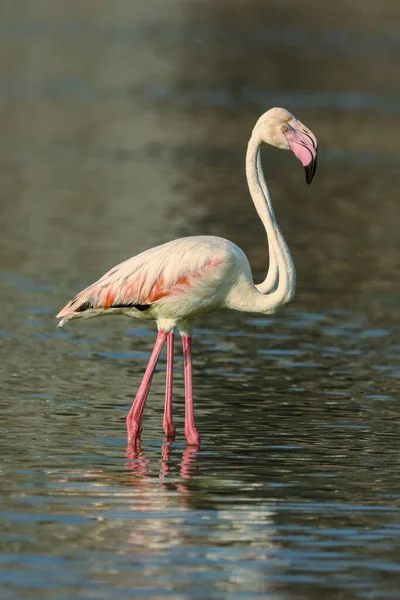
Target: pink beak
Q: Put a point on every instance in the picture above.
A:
(304, 145)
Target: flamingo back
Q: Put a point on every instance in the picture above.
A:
(195, 271)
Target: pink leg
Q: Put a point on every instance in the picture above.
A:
(191, 433)
(168, 423)
(135, 416)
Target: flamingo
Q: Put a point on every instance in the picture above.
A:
(177, 282)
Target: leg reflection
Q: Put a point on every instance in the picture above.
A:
(188, 462)
(140, 466)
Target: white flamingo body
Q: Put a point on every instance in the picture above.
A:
(178, 281)
(190, 277)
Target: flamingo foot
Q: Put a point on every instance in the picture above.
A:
(134, 431)
(192, 436)
(170, 430)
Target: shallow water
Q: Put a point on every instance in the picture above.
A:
(122, 128)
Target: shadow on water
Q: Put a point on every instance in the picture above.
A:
(122, 127)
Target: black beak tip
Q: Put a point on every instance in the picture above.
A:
(310, 170)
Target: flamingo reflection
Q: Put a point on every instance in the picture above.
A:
(141, 469)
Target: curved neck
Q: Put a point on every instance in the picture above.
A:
(280, 283)
(270, 283)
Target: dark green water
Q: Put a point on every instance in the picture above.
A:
(124, 126)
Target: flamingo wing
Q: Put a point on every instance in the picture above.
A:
(145, 279)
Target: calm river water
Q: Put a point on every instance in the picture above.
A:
(124, 125)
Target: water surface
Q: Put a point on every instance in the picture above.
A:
(124, 127)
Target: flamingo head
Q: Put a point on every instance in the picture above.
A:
(279, 128)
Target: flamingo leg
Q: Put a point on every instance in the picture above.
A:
(168, 423)
(135, 416)
(191, 432)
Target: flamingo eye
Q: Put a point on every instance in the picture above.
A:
(287, 117)
(285, 129)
